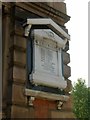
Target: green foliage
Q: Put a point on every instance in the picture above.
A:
(89, 101)
(81, 97)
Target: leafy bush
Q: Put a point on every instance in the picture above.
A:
(81, 100)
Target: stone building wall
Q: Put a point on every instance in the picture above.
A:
(15, 102)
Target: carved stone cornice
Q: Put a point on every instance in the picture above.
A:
(53, 11)
(45, 11)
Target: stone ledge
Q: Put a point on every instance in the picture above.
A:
(45, 95)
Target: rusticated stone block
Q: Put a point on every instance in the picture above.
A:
(21, 112)
(67, 71)
(19, 30)
(19, 74)
(18, 96)
(66, 58)
(19, 57)
(69, 86)
(66, 46)
(20, 41)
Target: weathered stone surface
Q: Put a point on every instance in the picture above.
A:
(69, 86)
(66, 110)
(10, 74)
(19, 73)
(66, 58)
(18, 96)
(62, 114)
(43, 107)
(21, 112)
(5, 52)
(66, 47)
(19, 57)
(58, 6)
(19, 30)
(20, 41)
(67, 71)
(67, 106)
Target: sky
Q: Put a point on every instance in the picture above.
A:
(78, 30)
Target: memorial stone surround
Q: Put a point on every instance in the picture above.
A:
(35, 66)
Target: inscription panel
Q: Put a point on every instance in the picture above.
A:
(46, 60)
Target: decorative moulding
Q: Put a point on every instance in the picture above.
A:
(48, 22)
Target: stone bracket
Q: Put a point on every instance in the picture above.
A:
(30, 100)
(59, 105)
(27, 29)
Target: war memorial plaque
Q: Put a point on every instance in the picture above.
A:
(47, 59)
